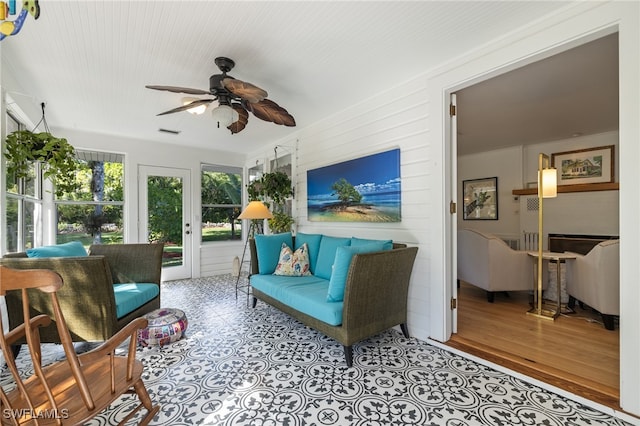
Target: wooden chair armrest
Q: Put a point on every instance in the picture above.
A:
(17, 333)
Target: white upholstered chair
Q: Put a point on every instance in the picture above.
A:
(594, 279)
(486, 261)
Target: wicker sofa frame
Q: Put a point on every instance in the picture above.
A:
(87, 297)
(375, 297)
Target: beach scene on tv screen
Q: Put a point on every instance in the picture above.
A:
(365, 189)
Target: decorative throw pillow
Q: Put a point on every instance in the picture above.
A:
(293, 263)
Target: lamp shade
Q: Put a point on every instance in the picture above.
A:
(225, 115)
(255, 210)
(549, 180)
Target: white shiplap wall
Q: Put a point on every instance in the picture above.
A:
(393, 119)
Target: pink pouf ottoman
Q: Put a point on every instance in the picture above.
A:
(166, 325)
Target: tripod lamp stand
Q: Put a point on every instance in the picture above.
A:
(255, 210)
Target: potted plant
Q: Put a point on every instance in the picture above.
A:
(56, 155)
(273, 189)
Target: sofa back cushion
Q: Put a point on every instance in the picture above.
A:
(386, 244)
(313, 244)
(327, 254)
(341, 264)
(70, 249)
(268, 250)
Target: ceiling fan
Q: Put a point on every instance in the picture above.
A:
(236, 98)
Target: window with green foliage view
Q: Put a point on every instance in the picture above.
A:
(93, 214)
(221, 203)
(23, 203)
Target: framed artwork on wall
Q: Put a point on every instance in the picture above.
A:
(480, 199)
(591, 165)
(366, 189)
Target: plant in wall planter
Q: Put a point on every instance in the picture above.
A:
(56, 155)
(280, 222)
(273, 189)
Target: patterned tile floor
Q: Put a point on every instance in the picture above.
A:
(243, 366)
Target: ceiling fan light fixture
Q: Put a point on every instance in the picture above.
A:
(224, 115)
(197, 110)
(234, 98)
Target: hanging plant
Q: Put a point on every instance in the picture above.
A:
(274, 188)
(56, 155)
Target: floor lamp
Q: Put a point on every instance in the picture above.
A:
(547, 188)
(255, 210)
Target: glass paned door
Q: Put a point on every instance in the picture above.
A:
(164, 217)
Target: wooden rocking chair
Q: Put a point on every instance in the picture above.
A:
(73, 390)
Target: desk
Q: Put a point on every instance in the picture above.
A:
(538, 308)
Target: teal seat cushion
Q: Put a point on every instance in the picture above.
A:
(344, 255)
(387, 244)
(313, 244)
(70, 249)
(306, 294)
(327, 254)
(131, 296)
(268, 250)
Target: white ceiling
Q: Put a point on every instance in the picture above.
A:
(570, 94)
(90, 60)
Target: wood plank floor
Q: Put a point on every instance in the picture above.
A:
(574, 352)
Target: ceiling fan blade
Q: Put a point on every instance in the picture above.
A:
(188, 106)
(243, 118)
(268, 110)
(176, 89)
(246, 91)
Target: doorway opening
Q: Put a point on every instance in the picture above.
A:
(501, 123)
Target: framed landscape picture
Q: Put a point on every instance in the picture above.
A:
(365, 189)
(592, 165)
(480, 199)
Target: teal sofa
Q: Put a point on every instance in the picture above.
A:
(103, 289)
(356, 288)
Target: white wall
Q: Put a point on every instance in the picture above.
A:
(570, 213)
(595, 213)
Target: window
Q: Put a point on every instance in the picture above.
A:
(221, 202)
(93, 214)
(23, 204)
(255, 172)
